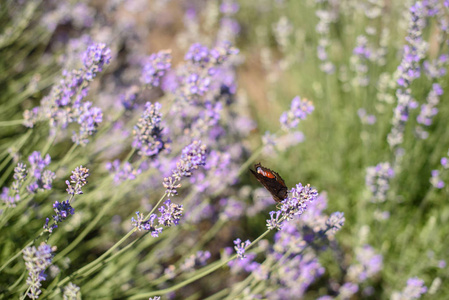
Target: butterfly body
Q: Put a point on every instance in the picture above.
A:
(272, 181)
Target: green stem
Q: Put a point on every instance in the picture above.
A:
(11, 123)
(185, 282)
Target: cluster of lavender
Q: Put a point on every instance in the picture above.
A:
(192, 157)
(359, 59)
(299, 110)
(65, 104)
(327, 14)
(36, 262)
(408, 70)
(378, 181)
(291, 264)
(36, 177)
(437, 175)
(170, 214)
(428, 110)
(365, 118)
(64, 209)
(155, 67)
(414, 290)
(148, 137)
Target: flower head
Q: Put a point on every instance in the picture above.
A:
(36, 261)
(156, 66)
(297, 200)
(193, 156)
(240, 247)
(148, 137)
(78, 178)
(148, 225)
(299, 110)
(170, 213)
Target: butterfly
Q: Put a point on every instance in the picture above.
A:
(272, 181)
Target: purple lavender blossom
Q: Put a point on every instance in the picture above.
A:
(229, 7)
(88, 118)
(240, 247)
(62, 210)
(95, 57)
(297, 200)
(365, 118)
(369, 264)
(38, 163)
(436, 180)
(170, 213)
(155, 67)
(64, 104)
(192, 157)
(274, 222)
(428, 109)
(44, 178)
(148, 132)
(11, 196)
(78, 179)
(347, 290)
(414, 290)
(335, 222)
(378, 181)
(436, 68)
(195, 260)
(232, 209)
(121, 174)
(298, 111)
(408, 70)
(36, 261)
(148, 225)
(359, 60)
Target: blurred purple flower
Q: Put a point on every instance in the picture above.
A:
(378, 181)
(335, 222)
(121, 174)
(368, 264)
(192, 157)
(148, 132)
(298, 111)
(436, 180)
(155, 67)
(95, 57)
(414, 290)
(36, 261)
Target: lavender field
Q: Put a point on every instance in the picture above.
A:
(129, 129)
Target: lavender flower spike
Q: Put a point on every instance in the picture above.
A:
(297, 200)
(148, 138)
(298, 111)
(240, 247)
(192, 157)
(156, 66)
(36, 261)
(78, 178)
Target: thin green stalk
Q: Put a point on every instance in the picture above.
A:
(81, 272)
(185, 282)
(86, 231)
(219, 295)
(11, 123)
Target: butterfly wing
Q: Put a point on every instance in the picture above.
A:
(275, 186)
